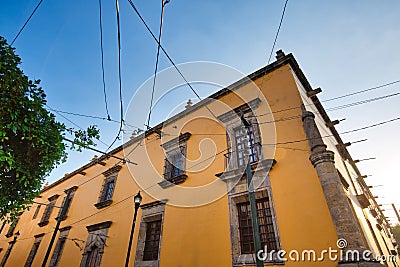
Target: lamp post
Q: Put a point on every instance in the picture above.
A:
(252, 199)
(137, 200)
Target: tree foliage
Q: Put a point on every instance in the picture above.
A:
(31, 140)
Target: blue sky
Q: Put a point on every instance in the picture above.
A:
(342, 46)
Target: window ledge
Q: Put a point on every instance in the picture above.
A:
(153, 263)
(265, 164)
(41, 224)
(103, 204)
(173, 181)
(62, 218)
(248, 259)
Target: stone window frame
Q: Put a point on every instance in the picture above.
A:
(13, 225)
(58, 249)
(232, 122)
(110, 177)
(48, 210)
(71, 197)
(173, 148)
(239, 259)
(236, 183)
(34, 250)
(2, 226)
(97, 237)
(36, 212)
(7, 254)
(153, 211)
(262, 216)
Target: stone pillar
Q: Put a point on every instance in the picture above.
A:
(339, 207)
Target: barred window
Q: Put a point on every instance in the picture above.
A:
(153, 233)
(150, 231)
(7, 254)
(49, 209)
(2, 227)
(36, 211)
(33, 251)
(266, 228)
(10, 231)
(245, 144)
(95, 244)
(70, 198)
(55, 258)
(175, 160)
(93, 256)
(174, 164)
(107, 190)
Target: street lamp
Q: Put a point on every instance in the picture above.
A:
(137, 199)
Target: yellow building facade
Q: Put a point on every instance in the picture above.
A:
(195, 209)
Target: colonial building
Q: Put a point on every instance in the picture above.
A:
(312, 203)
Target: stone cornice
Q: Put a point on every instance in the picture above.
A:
(228, 116)
(177, 141)
(154, 204)
(263, 165)
(112, 170)
(99, 226)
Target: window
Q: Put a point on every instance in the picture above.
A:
(152, 241)
(34, 249)
(55, 258)
(242, 142)
(71, 196)
(266, 227)
(245, 144)
(49, 209)
(150, 234)
(7, 254)
(92, 256)
(107, 190)
(174, 164)
(36, 211)
(175, 161)
(10, 231)
(2, 227)
(95, 244)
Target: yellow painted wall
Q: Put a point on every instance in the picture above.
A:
(195, 236)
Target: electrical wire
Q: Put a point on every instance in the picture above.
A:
(26, 22)
(361, 102)
(334, 108)
(157, 58)
(90, 116)
(361, 91)
(277, 32)
(330, 135)
(119, 78)
(73, 123)
(168, 56)
(102, 61)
